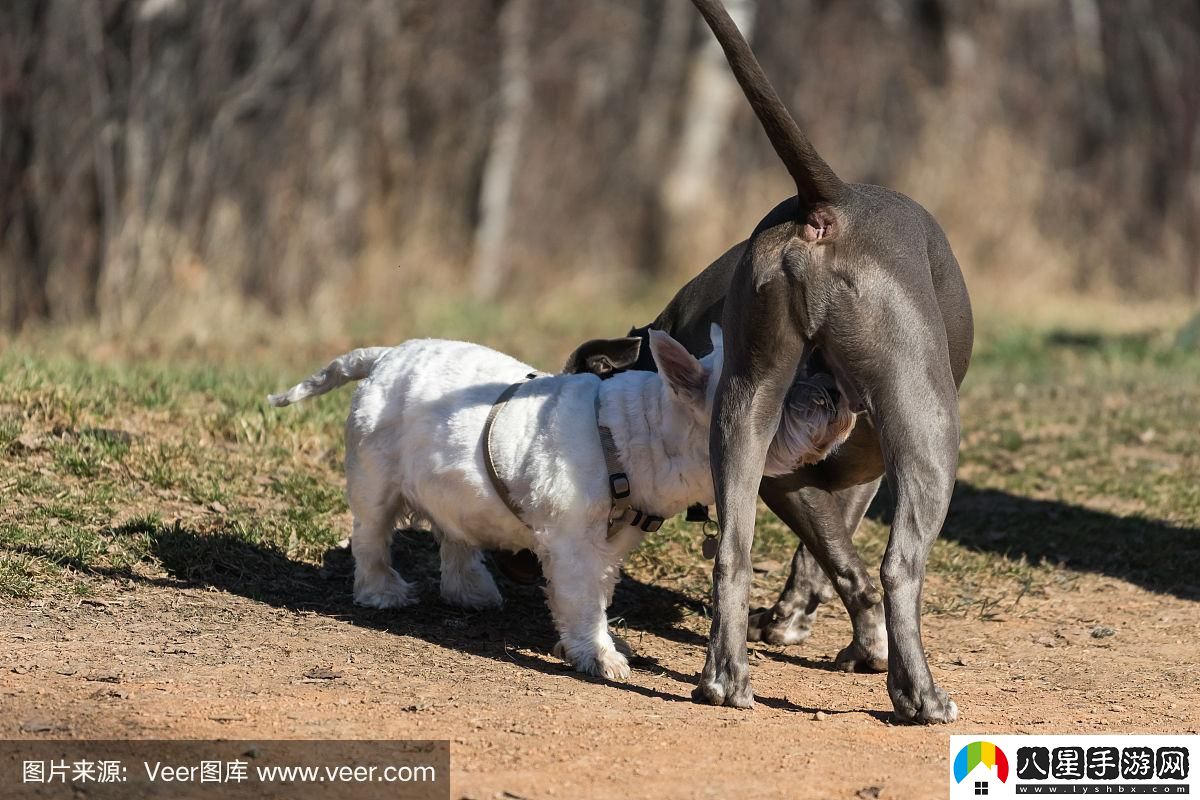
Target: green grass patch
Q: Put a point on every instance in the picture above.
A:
(1079, 455)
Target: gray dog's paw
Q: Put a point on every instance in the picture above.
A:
(855, 658)
(765, 626)
(709, 693)
(928, 708)
(731, 689)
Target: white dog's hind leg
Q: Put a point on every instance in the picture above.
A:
(376, 583)
(466, 581)
(577, 594)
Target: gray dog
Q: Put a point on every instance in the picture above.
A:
(855, 283)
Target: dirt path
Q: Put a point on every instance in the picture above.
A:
(152, 659)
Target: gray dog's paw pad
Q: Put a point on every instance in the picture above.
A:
(854, 658)
(784, 634)
(716, 692)
(709, 693)
(933, 708)
(765, 626)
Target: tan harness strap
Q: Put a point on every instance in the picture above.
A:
(622, 512)
(488, 460)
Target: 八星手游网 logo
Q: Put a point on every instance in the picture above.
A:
(976, 753)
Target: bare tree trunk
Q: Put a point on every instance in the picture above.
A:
(659, 100)
(712, 96)
(499, 172)
(1089, 43)
(22, 265)
(93, 27)
(1174, 63)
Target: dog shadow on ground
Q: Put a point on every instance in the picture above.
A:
(521, 632)
(1146, 552)
(1149, 553)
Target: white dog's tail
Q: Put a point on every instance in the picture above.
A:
(353, 366)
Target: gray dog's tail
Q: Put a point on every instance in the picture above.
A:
(354, 366)
(816, 182)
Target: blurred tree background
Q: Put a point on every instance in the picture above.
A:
(160, 157)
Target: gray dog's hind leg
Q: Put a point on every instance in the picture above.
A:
(919, 438)
(826, 522)
(790, 620)
(868, 649)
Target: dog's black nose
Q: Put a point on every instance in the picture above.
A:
(835, 397)
(823, 389)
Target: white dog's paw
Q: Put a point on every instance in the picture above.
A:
(610, 665)
(607, 664)
(385, 591)
(474, 589)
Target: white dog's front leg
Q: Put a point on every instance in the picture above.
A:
(577, 588)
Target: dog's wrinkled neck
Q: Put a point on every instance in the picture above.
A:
(663, 448)
(817, 417)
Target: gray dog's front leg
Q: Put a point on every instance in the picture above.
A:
(738, 453)
(757, 372)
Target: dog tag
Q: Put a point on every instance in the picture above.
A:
(710, 547)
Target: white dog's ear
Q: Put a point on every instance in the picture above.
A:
(716, 337)
(679, 368)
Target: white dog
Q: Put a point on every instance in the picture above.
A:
(414, 450)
